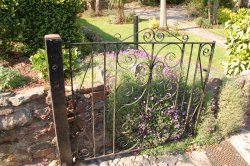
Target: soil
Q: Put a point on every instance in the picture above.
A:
(23, 65)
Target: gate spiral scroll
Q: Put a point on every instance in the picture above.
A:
(137, 98)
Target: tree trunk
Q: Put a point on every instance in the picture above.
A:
(163, 15)
(209, 10)
(119, 14)
(97, 7)
(244, 4)
(215, 9)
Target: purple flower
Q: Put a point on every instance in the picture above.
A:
(176, 116)
(184, 113)
(178, 136)
(177, 126)
(142, 127)
(141, 117)
(152, 132)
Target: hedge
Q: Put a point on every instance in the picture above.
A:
(27, 21)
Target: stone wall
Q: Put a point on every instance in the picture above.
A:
(26, 129)
(26, 125)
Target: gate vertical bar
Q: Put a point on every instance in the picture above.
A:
(136, 32)
(53, 46)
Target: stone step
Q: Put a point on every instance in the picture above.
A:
(241, 142)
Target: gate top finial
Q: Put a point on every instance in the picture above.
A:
(52, 36)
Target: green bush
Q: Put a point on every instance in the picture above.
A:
(203, 22)
(219, 122)
(39, 62)
(238, 42)
(227, 3)
(206, 24)
(231, 108)
(10, 78)
(198, 21)
(207, 130)
(196, 8)
(223, 15)
(129, 18)
(27, 21)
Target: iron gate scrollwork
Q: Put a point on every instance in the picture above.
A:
(126, 99)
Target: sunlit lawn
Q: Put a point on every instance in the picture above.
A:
(107, 31)
(220, 32)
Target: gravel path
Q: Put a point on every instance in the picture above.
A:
(178, 15)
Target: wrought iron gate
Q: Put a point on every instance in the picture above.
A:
(127, 99)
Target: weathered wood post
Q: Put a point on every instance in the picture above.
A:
(53, 44)
(136, 31)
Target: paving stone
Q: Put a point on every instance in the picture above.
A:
(199, 158)
(116, 160)
(127, 161)
(167, 159)
(241, 142)
(152, 160)
(104, 163)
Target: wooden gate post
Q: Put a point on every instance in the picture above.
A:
(136, 29)
(53, 46)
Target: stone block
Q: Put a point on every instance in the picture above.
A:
(5, 110)
(19, 118)
(26, 96)
(4, 96)
(45, 153)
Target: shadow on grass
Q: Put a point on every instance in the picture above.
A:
(105, 36)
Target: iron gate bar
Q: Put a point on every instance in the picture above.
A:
(144, 43)
(182, 44)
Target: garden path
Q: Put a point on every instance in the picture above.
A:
(178, 15)
(196, 158)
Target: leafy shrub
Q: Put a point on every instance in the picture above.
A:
(89, 13)
(223, 15)
(238, 30)
(10, 78)
(112, 19)
(203, 22)
(198, 21)
(227, 3)
(231, 108)
(206, 24)
(207, 130)
(153, 23)
(39, 62)
(129, 18)
(28, 21)
(219, 122)
(195, 8)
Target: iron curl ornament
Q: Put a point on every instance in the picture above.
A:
(155, 35)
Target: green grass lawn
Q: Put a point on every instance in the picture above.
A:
(220, 32)
(107, 31)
